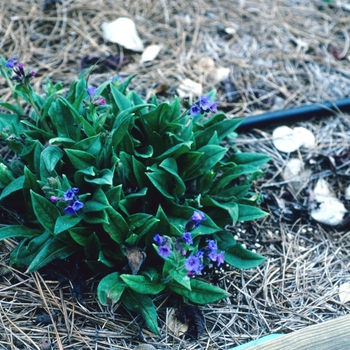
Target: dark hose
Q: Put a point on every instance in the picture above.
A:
(295, 114)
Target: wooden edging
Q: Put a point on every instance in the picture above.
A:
(329, 335)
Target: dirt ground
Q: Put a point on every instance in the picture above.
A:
(278, 54)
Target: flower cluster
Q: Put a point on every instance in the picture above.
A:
(203, 105)
(92, 92)
(18, 69)
(72, 199)
(195, 262)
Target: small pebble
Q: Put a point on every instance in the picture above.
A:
(145, 347)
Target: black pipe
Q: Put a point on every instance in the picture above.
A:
(295, 114)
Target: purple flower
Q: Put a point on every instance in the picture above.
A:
(158, 239)
(200, 254)
(69, 195)
(204, 102)
(195, 110)
(193, 264)
(220, 258)
(10, 63)
(54, 199)
(187, 238)
(77, 205)
(32, 74)
(213, 255)
(164, 251)
(194, 221)
(91, 91)
(69, 210)
(101, 102)
(213, 107)
(212, 245)
(20, 66)
(72, 209)
(197, 218)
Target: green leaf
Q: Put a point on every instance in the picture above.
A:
(98, 202)
(92, 246)
(231, 208)
(11, 107)
(141, 304)
(222, 129)
(170, 165)
(80, 235)
(248, 212)
(14, 186)
(52, 249)
(18, 231)
(110, 289)
(122, 101)
(66, 222)
(211, 154)
(80, 159)
(142, 284)
(252, 159)
(241, 258)
(45, 211)
(233, 173)
(117, 227)
(200, 293)
(161, 180)
(51, 156)
(180, 276)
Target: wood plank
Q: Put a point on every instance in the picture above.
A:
(329, 335)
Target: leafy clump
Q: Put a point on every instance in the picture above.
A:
(141, 190)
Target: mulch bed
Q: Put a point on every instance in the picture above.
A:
(280, 54)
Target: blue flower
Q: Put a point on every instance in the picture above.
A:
(69, 195)
(213, 255)
(187, 238)
(212, 245)
(200, 254)
(91, 91)
(164, 251)
(213, 107)
(195, 110)
(220, 258)
(10, 63)
(194, 221)
(158, 239)
(193, 264)
(69, 210)
(204, 102)
(77, 205)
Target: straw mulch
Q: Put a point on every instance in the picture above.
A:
(280, 54)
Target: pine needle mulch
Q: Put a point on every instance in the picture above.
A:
(280, 54)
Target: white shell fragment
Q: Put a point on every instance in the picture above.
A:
(322, 188)
(190, 88)
(150, 53)
(347, 193)
(329, 210)
(219, 74)
(287, 140)
(326, 208)
(123, 31)
(295, 172)
(344, 292)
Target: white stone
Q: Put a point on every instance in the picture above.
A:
(123, 31)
